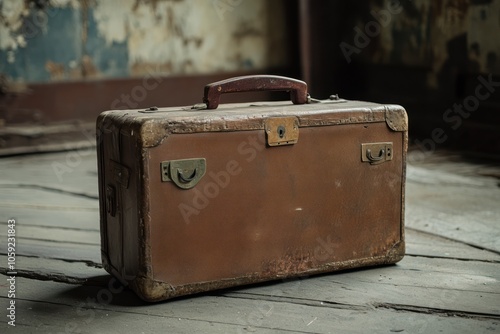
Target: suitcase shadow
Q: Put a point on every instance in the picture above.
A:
(99, 291)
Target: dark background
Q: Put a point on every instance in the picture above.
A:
(425, 55)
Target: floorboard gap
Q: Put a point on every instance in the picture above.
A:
(50, 189)
(451, 258)
(438, 312)
(58, 241)
(58, 278)
(455, 240)
(298, 301)
(95, 306)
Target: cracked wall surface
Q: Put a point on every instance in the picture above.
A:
(439, 36)
(73, 39)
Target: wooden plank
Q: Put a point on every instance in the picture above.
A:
(51, 137)
(50, 317)
(50, 305)
(422, 283)
(69, 271)
(54, 188)
(41, 199)
(428, 245)
(47, 217)
(463, 208)
(56, 250)
(38, 130)
(435, 273)
(27, 145)
(457, 163)
(72, 171)
(69, 235)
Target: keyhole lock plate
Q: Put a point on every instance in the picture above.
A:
(282, 131)
(376, 153)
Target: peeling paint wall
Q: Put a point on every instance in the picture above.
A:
(437, 35)
(80, 39)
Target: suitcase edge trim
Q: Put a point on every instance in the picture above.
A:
(151, 290)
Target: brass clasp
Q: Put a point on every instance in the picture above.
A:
(376, 153)
(184, 173)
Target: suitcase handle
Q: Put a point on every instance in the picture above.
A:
(252, 83)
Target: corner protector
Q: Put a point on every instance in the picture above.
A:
(152, 133)
(396, 118)
(151, 290)
(102, 122)
(396, 253)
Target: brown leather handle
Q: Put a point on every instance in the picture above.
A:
(252, 83)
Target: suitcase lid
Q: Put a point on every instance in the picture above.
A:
(301, 111)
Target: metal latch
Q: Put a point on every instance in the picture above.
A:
(111, 203)
(184, 173)
(376, 153)
(282, 130)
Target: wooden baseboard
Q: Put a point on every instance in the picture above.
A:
(85, 100)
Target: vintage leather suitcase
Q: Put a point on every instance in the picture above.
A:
(207, 197)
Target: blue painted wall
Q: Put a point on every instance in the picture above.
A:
(80, 40)
(55, 35)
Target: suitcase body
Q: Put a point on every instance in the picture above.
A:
(198, 199)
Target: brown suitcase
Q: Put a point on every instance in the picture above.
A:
(200, 198)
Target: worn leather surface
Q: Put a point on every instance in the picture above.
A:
(259, 212)
(283, 210)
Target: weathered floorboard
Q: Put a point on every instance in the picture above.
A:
(449, 281)
(405, 284)
(41, 199)
(462, 208)
(441, 284)
(56, 250)
(51, 304)
(428, 245)
(49, 217)
(76, 236)
(72, 171)
(46, 269)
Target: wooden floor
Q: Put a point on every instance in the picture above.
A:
(447, 283)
